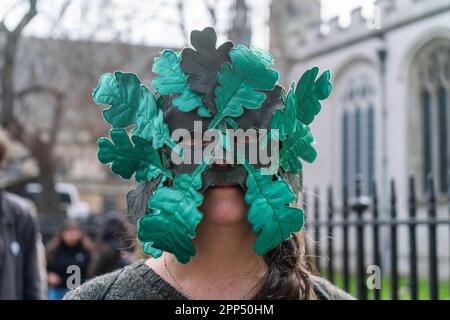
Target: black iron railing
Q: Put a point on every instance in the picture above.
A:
(381, 226)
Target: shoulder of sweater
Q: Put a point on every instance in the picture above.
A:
(134, 282)
(329, 291)
(91, 289)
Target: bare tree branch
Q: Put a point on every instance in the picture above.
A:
(32, 11)
(182, 21)
(57, 113)
(61, 14)
(212, 7)
(38, 88)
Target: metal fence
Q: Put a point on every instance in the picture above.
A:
(389, 224)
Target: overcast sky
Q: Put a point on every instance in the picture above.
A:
(145, 28)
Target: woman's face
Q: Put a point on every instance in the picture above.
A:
(71, 236)
(224, 205)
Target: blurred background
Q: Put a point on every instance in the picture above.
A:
(378, 194)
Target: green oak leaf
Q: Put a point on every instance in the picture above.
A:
(130, 157)
(171, 224)
(171, 79)
(285, 120)
(309, 92)
(297, 146)
(148, 249)
(240, 82)
(269, 212)
(132, 104)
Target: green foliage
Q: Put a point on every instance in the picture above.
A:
(128, 157)
(132, 104)
(309, 92)
(203, 63)
(269, 214)
(148, 249)
(174, 216)
(301, 106)
(297, 146)
(241, 81)
(171, 79)
(285, 120)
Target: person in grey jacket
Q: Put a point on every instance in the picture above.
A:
(20, 243)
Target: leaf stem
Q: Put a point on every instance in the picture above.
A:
(215, 121)
(170, 143)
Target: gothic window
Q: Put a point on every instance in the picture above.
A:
(433, 85)
(358, 133)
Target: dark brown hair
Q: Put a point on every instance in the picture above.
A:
(4, 147)
(57, 242)
(288, 272)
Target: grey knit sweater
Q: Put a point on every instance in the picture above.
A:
(140, 282)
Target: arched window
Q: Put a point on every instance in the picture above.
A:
(432, 83)
(358, 132)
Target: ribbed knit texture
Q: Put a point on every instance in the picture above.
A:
(140, 282)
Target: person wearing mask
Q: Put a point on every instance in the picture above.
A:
(215, 228)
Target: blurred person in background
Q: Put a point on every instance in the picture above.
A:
(21, 250)
(71, 246)
(116, 245)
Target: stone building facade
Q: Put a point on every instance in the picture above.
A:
(389, 114)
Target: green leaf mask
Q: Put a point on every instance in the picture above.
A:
(230, 87)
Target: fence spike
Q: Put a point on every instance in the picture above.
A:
(394, 255)
(413, 284)
(330, 234)
(432, 238)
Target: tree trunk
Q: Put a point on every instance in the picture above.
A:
(49, 202)
(7, 82)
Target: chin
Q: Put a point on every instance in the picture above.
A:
(224, 205)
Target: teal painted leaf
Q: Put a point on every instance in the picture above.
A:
(132, 104)
(297, 146)
(174, 216)
(171, 79)
(240, 82)
(130, 157)
(122, 91)
(269, 212)
(148, 249)
(285, 120)
(309, 92)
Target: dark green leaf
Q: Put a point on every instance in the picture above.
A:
(309, 92)
(240, 82)
(132, 104)
(170, 79)
(148, 249)
(174, 216)
(203, 64)
(269, 214)
(285, 120)
(297, 146)
(137, 198)
(129, 157)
